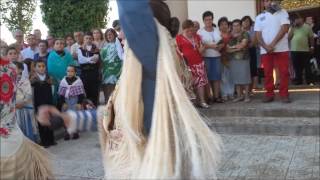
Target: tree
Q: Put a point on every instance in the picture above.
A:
(17, 14)
(66, 16)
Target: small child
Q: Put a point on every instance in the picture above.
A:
(24, 107)
(71, 93)
(42, 94)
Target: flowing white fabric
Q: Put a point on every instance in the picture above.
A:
(180, 144)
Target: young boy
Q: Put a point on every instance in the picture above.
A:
(89, 59)
(71, 94)
(42, 94)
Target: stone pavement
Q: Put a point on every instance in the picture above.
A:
(244, 157)
(261, 141)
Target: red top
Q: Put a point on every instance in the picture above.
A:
(225, 39)
(190, 49)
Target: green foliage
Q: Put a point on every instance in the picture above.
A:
(66, 16)
(17, 14)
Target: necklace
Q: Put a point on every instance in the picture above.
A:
(191, 40)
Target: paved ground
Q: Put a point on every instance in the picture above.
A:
(244, 157)
(254, 152)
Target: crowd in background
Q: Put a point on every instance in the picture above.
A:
(223, 62)
(66, 72)
(227, 60)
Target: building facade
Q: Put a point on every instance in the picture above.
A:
(233, 9)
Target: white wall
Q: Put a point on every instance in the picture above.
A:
(232, 9)
(178, 8)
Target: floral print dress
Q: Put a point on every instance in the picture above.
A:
(111, 64)
(11, 137)
(20, 158)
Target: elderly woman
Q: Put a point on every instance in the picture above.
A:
(211, 37)
(240, 61)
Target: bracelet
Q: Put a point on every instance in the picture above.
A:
(56, 122)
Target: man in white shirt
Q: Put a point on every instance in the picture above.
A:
(31, 50)
(37, 34)
(271, 29)
(78, 37)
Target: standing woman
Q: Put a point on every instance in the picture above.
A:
(190, 46)
(89, 59)
(247, 26)
(210, 37)
(227, 86)
(98, 38)
(58, 61)
(111, 63)
(240, 61)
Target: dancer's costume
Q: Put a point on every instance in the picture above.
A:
(20, 157)
(149, 128)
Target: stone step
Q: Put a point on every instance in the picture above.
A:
(260, 112)
(281, 126)
(304, 104)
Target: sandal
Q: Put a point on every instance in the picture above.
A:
(204, 105)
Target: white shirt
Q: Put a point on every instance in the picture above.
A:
(119, 49)
(42, 77)
(270, 25)
(74, 48)
(25, 72)
(83, 59)
(212, 37)
(28, 53)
